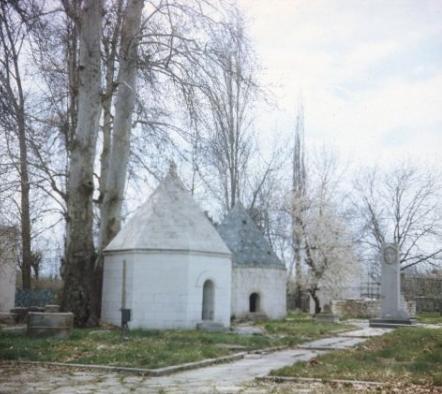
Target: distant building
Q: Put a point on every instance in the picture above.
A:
(8, 267)
(259, 278)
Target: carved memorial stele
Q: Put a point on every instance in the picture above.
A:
(392, 309)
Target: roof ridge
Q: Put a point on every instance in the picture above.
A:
(170, 219)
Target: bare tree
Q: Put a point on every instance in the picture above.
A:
(401, 206)
(230, 90)
(14, 117)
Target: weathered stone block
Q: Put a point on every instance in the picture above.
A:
(52, 308)
(20, 314)
(7, 318)
(44, 324)
(36, 309)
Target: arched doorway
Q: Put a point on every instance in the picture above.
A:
(254, 303)
(208, 300)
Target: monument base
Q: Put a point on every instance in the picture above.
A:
(392, 323)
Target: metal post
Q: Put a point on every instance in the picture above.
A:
(125, 312)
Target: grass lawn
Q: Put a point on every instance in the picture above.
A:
(300, 327)
(429, 318)
(156, 349)
(411, 355)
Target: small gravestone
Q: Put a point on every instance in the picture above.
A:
(45, 324)
(393, 312)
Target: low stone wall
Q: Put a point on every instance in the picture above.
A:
(364, 308)
(429, 304)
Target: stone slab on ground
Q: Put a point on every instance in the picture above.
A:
(395, 323)
(334, 343)
(248, 330)
(211, 326)
(366, 332)
(221, 378)
(140, 371)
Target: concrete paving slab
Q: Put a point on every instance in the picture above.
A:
(366, 332)
(220, 378)
(334, 343)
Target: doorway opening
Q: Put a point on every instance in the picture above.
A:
(208, 312)
(254, 303)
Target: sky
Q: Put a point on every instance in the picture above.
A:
(369, 74)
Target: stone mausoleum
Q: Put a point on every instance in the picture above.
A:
(259, 278)
(172, 269)
(168, 264)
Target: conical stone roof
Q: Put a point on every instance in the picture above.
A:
(169, 220)
(246, 241)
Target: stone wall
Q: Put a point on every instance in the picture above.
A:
(269, 283)
(426, 291)
(429, 304)
(364, 308)
(164, 289)
(8, 267)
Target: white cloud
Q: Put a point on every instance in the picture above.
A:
(352, 61)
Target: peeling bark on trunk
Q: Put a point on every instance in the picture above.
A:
(124, 107)
(80, 287)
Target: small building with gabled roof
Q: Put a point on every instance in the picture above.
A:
(168, 264)
(259, 278)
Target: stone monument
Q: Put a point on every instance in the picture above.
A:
(393, 311)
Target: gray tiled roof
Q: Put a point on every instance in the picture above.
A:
(169, 220)
(245, 240)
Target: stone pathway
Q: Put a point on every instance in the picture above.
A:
(223, 378)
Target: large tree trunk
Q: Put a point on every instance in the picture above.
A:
(80, 290)
(124, 107)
